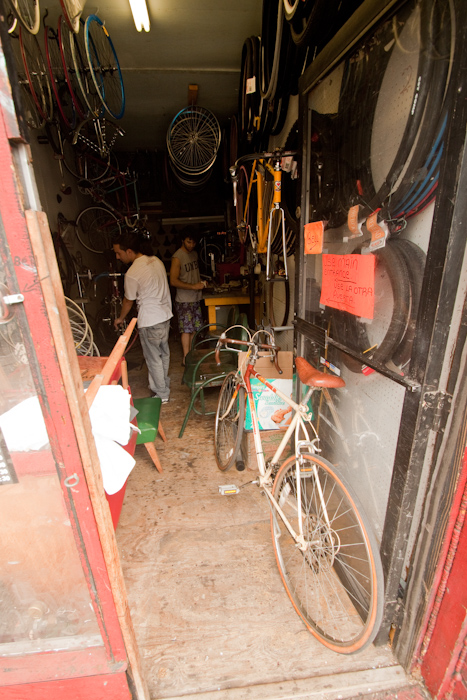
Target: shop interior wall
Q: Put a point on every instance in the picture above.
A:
(361, 428)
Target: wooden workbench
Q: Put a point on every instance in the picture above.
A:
(228, 298)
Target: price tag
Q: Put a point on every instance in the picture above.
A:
(251, 85)
(354, 226)
(314, 234)
(379, 232)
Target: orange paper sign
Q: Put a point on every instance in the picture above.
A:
(349, 283)
(314, 233)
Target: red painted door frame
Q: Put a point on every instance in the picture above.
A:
(443, 650)
(93, 672)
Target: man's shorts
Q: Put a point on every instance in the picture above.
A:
(190, 317)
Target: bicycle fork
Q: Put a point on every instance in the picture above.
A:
(276, 208)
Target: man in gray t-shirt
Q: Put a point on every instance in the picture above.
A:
(185, 277)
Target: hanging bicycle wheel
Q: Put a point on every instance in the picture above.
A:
(28, 12)
(104, 66)
(58, 80)
(97, 228)
(65, 38)
(336, 583)
(193, 140)
(72, 10)
(230, 417)
(30, 112)
(290, 8)
(36, 73)
(83, 162)
(87, 87)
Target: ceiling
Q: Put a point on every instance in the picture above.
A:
(190, 42)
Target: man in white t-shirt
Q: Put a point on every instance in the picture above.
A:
(146, 283)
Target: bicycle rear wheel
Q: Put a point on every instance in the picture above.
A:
(97, 228)
(104, 66)
(58, 81)
(65, 39)
(230, 418)
(336, 586)
(86, 84)
(36, 73)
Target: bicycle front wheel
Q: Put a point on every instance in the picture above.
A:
(104, 66)
(336, 585)
(97, 228)
(230, 418)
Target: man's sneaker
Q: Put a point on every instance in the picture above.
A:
(165, 400)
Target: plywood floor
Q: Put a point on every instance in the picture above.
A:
(207, 602)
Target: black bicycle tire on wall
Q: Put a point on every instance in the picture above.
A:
(348, 330)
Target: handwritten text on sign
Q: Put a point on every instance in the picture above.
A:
(349, 283)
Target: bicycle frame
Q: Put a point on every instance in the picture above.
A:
(300, 415)
(265, 227)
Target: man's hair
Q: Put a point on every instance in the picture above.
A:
(135, 241)
(193, 235)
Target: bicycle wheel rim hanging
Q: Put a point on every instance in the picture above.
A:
(64, 41)
(104, 66)
(193, 140)
(28, 13)
(37, 74)
(58, 80)
(337, 585)
(96, 229)
(87, 87)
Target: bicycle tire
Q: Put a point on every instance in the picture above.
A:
(242, 193)
(65, 264)
(284, 284)
(96, 228)
(84, 163)
(58, 80)
(415, 260)
(105, 333)
(351, 332)
(31, 115)
(87, 87)
(28, 12)
(65, 38)
(37, 74)
(337, 585)
(72, 10)
(290, 8)
(104, 66)
(229, 424)
(249, 102)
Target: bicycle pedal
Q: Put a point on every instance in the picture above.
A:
(228, 490)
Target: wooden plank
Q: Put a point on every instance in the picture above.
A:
(335, 687)
(54, 300)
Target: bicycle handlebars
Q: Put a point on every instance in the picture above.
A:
(277, 154)
(223, 340)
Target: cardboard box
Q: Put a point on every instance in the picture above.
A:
(272, 411)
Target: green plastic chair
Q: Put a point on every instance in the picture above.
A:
(148, 419)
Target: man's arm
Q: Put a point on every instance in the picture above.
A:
(175, 280)
(126, 307)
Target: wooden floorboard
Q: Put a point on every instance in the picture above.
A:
(207, 602)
